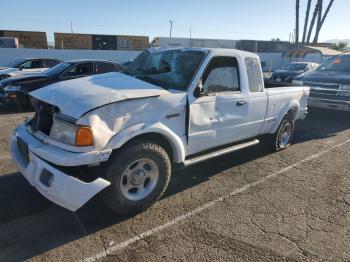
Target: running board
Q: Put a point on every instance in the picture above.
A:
(226, 150)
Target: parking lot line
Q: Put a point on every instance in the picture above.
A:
(114, 248)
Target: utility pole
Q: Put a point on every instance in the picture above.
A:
(71, 26)
(171, 27)
(190, 32)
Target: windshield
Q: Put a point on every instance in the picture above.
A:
(338, 63)
(16, 63)
(57, 69)
(296, 67)
(173, 69)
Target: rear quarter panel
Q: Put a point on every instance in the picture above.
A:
(280, 101)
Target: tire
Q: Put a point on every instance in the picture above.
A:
(283, 136)
(136, 166)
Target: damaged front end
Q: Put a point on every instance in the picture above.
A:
(63, 176)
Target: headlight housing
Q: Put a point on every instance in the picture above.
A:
(297, 82)
(12, 88)
(346, 91)
(71, 134)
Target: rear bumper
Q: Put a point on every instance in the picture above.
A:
(329, 104)
(55, 185)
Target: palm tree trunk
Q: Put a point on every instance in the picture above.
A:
(322, 20)
(297, 2)
(306, 20)
(314, 15)
(319, 19)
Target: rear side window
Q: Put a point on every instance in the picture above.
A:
(50, 63)
(255, 78)
(221, 75)
(102, 68)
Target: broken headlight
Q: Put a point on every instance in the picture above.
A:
(69, 133)
(63, 131)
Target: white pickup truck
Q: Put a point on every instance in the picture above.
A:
(123, 132)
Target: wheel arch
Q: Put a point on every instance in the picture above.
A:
(156, 132)
(291, 109)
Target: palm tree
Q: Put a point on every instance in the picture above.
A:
(319, 26)
(306, 20)
(319, 19)
(314, 15)
(297, 2)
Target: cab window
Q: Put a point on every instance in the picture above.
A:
(221, 75)
(254, 73)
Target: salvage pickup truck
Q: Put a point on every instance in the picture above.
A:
(121, 133)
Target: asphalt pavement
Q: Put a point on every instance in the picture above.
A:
(251, 205)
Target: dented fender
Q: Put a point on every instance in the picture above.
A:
(131, 132)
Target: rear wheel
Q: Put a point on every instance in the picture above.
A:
(139, 175)
(283, 136)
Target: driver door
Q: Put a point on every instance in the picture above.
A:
(218, 116)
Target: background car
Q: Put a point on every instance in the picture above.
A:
(27, 66)
(126, 63)
(330, 84)
(287, 74)
(16, 89)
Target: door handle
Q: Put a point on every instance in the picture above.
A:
(241, 103)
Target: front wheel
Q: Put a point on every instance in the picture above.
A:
(139, 175)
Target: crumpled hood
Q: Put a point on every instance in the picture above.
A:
(76, 97)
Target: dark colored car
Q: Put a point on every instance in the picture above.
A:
(16, 89)
(286, 75)
(330, 84)
(27, 66)
(127, 63)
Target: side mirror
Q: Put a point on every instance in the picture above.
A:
(21, 68)
(199, 89)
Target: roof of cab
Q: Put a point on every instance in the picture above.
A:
(214, 51)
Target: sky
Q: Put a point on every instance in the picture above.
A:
(223, 19)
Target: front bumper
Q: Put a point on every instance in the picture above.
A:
(329, 104)
(59, 187)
